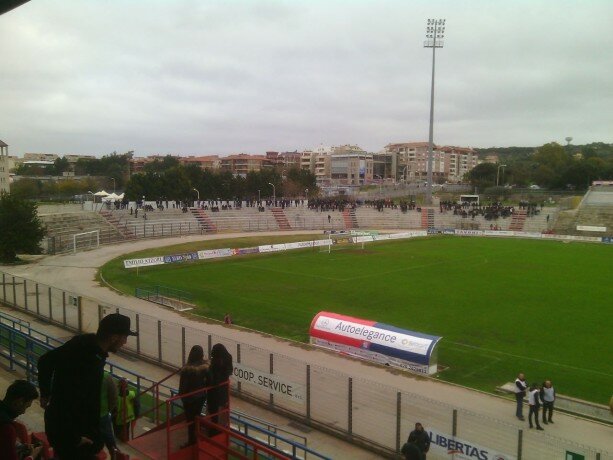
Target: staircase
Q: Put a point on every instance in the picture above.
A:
(215, 438)
(204, 220)
(427, 218)
(518, 220)
(281, 219)
(113, 220)
(350, 219)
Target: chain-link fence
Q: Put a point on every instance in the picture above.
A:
(376, 414)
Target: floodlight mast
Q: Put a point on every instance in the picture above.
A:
(435, 32)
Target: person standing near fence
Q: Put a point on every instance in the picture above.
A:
(534, 400)
(520, 393)
(548, 396)
(194, 376)
(421, 438)
(70, 380)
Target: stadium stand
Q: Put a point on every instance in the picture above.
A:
(62, 227)
(595, 210)
(117, 225)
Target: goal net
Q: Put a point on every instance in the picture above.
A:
(338, 242)
(86, 240)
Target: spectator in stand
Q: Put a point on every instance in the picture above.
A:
(18, 398)
(194, 376)
(520, 392)
(220, 371)
(128, 410)
(548, 396)
(70, 379)
(535, 403)
(421, 438)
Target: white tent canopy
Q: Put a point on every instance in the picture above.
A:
(101, 193)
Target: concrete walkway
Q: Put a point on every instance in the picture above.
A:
(76, 273)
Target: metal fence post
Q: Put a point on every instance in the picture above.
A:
(183, 345)
(80, 313)
(350, 408)
(14, 293)
(64, 308)
(37, 301)
(398, 419)
(454, 423)
(50, 305)
(138, 332)
(210, 344)
(3, 287)
(12, 349)
(160, 340)
(272, 369)
(520, 442)
(238, 360)
(25, 294)
(308, 392)
(100, 308)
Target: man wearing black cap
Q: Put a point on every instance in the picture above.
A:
(70, 381)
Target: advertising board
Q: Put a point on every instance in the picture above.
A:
(375, 341)
(144, 262)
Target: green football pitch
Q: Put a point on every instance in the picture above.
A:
(501, 305)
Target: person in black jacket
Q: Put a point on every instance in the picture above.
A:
(70, 381)
(220, 370)
(194, 376)
(420, 437)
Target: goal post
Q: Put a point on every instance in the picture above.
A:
(86, 240)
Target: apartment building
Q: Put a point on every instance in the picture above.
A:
(204, 162)
(458, 161)
(449, 163)
(242, 163)
(351, 168)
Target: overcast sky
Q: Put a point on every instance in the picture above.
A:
(200, 77)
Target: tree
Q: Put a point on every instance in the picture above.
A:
(483, 175)
(20, 228)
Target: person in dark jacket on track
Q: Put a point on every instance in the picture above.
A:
(70, 379)
(421, 438)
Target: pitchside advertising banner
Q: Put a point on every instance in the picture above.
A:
(374, 341)
(145, 262)
(270, 383)
(456, 448)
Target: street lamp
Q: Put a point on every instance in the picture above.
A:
(113, 179)
(306, 194)
(274, 194)
(435, 31)
(259, 199)
(195, 190)
(498, 173)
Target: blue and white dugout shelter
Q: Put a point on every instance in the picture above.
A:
(376, 342)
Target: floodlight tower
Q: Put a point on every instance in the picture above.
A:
(435, 32)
